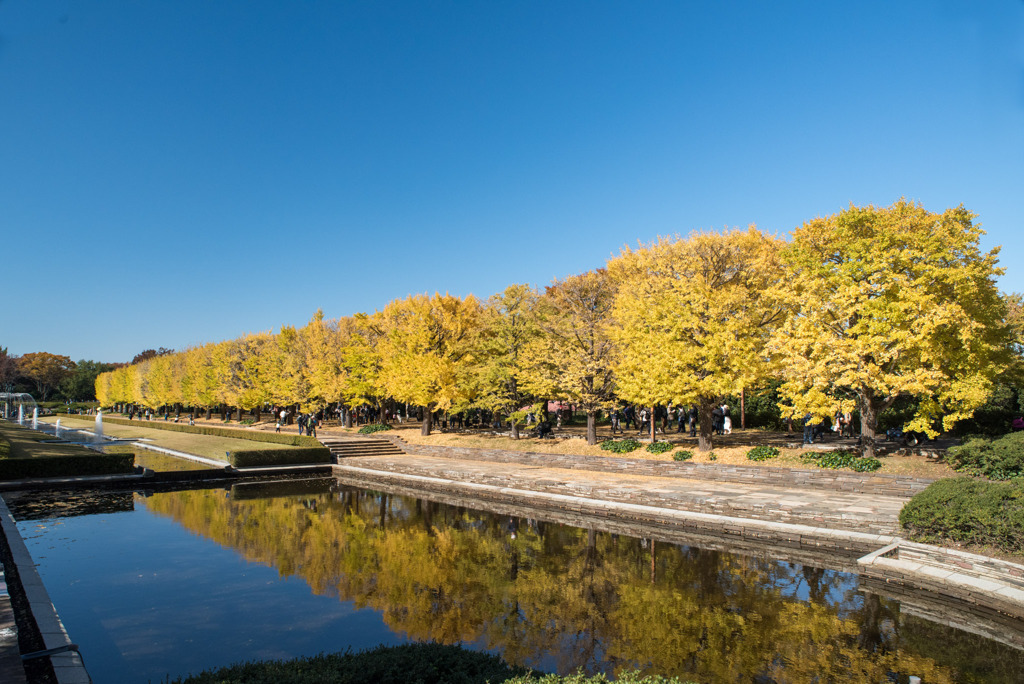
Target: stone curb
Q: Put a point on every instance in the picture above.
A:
(67, 664)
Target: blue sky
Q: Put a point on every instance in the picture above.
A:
(177, 172)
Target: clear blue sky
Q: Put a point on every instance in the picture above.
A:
(177, 172)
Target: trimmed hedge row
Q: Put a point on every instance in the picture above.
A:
(252, 435)
(970, 511)
(66, 466)
(273, 457)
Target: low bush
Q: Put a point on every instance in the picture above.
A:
(374, 427)
(622, 446)
(712, 456)
(273, 457)
(762, 453)
(996, 459)
(660, 447)
(841, 459)
(5, 447)
(682, 455)
(423, 663)
(251, 435)
(970, 511)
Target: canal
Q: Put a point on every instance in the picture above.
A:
(158, 585)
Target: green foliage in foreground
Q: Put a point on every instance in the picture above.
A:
(630, 677)
(762, 453)
(997, 459)
(622, 446)
(840, 459)
(374, 427)
(405, 664)
(275, 457)
(682, 455)
(660, 447)
(969, 511)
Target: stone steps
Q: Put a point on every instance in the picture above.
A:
(345, 448)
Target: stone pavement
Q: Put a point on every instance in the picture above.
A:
(865, 511)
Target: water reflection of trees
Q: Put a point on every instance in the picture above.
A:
(599, 601)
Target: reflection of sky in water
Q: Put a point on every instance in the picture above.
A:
(145, 600)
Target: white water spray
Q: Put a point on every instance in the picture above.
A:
(99, 426)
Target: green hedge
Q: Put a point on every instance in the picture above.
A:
(997, 459)
(970, 511)
(660, 447)
(405, 664)
(5, 448)
(274, 457)
(252, 435)
(66, 466)
(682, 455)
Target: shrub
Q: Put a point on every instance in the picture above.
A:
(840, 459)
(712, 456)
(660, 447)
(374, 427)
(273, 457)
(424, 663)
(623, 446)
(997, 459)
(762, 453)
(682, 455)
(967, 510)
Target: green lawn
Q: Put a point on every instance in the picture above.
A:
(207, 446)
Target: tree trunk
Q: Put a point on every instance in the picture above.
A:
(348, 417)
(868, 422)
(743, 409)
(428, 417)
(705, 437)
(515, 429)
(591, 427)
(654, 427)
(240, 413)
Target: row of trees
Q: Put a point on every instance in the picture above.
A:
(855, 311)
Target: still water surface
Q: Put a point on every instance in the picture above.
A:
(175, 583)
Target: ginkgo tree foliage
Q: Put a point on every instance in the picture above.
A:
(426, 347)
(692, 318)
(572, 357)
(890, 302)
(509, 327)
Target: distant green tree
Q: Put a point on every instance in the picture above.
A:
(80, 383)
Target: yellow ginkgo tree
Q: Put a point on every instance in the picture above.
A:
(571, 359)
(692, 318)
(890, 302)
(426, 346)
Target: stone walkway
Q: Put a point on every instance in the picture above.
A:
(868, 512)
